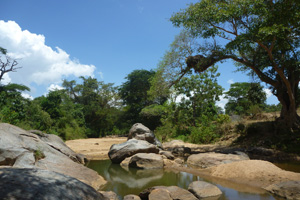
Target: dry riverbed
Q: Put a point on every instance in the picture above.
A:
(94, 148)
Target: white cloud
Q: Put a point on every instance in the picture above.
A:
(268, 92)
(222, 102)
(6, 79)
(54, 87)
(27, 96)
(230, 81)
(40, 63)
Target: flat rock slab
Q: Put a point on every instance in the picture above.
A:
(287, 190)
(146, 161)
(27, 184)
(256, 173)
(202, 189)
(205, 160)
(118, 152)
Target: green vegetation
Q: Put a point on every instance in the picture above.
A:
(178, 99)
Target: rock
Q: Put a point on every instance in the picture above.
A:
(131, 197)
(168, 154)
(109, 195)
(205, 160)
(181, 151)
(161, 194)
(118, 152)
(177, 163)
(27, 184)
(140, 132)
(125, 163)
(287, 190)
(20, 148)
(256, 173)
(175, 193)
(146, 161)
(202, 189)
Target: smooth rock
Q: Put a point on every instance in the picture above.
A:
(109, 195)
(161, 194)
(175, 193)
(205, 160)
(140, 132)
(146, 161)
(118, 152)
(27, 184)
(131, 197)
(168, 154)
(202, 189)
(288, 190)
(22, 149)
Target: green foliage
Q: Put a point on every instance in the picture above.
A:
(245, 98)
(38, 155)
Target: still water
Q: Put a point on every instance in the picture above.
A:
(133, 181)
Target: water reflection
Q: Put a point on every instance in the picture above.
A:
(133, 181)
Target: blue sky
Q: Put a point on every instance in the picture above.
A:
(107, 39)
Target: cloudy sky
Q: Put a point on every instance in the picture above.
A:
(107, 39)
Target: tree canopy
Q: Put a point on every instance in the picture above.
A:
(261, 36)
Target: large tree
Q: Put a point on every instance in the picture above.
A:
(261, 36)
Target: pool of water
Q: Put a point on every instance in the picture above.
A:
(133, 181)
(291, 166)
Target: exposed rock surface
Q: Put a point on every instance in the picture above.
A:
(205, 160)
(109, 195)
(131, 197)
(161, 194)
(118, 152)
(202, 189)
(20, 148)
(175, 193)
(288, 190)
(140, 132)
(27, 184)
(252, 172)
(167, 154)
(146, 161)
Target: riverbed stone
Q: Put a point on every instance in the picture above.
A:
(27, 184)
(140, 132)
(205, 160)
(202, 189)
(167, 154)
(287, 190)
(118, 152)
(175, 193)
(131, 197)
(23, 149)
(146, 161)
(161, 194)
(109, 195)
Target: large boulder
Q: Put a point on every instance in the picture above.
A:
(287, 190)
(140, 132)
(22, 149)
(161, 194)
(174, 191)
(26, 184)
(256, 173)
(202, 189)
(146, 161)
(118, 152)
(205, 160)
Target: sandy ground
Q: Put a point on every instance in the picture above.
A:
(94, 148)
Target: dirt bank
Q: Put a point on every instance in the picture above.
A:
(94, 148)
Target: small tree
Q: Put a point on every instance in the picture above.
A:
(6, 64)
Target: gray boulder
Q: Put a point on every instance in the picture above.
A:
(118, 152)
(175, 193)
(140, 132)
(146, 161)
(131, 197)
(20, 148)
(27, 184)
(287, 190)
(205, 160)
(202, 189)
